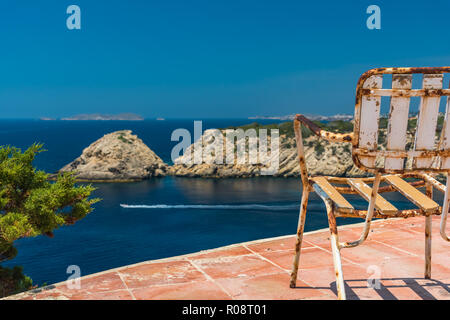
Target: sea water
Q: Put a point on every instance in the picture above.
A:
(156, 218)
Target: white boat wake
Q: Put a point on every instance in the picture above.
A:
(215, 206)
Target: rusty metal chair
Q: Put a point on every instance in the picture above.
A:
(388, 165)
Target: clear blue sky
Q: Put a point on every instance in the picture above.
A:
(212, 58)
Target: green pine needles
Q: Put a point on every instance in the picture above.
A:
(31, 205)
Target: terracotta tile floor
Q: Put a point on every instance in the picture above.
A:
(260, 270)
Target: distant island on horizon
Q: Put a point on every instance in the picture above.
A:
(343, 117)
(136, 117)
(99, 116)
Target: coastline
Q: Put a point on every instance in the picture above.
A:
(113, 158)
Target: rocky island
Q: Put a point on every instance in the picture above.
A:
(117, 156)
(99, 116)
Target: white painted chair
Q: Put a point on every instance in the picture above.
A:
(430, 155)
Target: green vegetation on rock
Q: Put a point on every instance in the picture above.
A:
(123, 139)
(287, 128)
(337, 126)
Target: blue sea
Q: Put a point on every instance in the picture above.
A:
(156, 218)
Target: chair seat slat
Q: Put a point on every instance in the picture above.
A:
(332, 193)
(365, 191)
(414, 195)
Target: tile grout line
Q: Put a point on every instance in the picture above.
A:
(411, 230)
(209, 278)
(329, 251)
(264, 258)
(251, 253)
(126, 287)
(395, 248)
(285, 270)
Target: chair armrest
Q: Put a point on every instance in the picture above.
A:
(327, 135)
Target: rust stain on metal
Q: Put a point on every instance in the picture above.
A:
(330, 136)
(428, 224)
(299, 236)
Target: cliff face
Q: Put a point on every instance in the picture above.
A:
(117, 156)
(325, 158)
(322, 158)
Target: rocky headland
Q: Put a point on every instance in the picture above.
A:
(117, 156)
(322, 157)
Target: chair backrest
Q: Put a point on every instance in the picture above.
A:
(428, 153)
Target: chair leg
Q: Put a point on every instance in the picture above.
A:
(298, 242)
(428, 222)
(336, 253)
